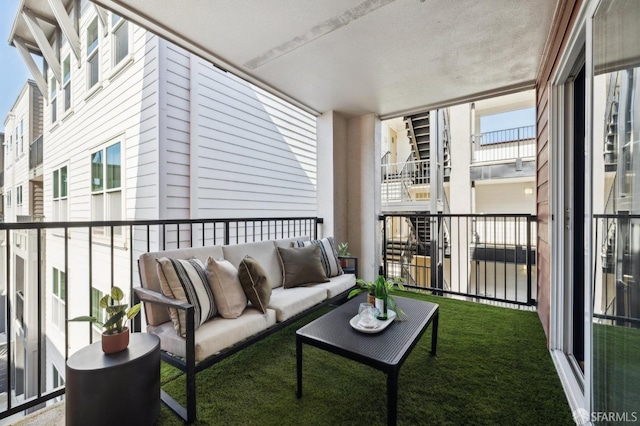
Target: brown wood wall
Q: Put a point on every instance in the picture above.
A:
(563, 22)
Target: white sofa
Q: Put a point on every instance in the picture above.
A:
(219, 337)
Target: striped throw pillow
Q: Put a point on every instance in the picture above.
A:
(328, 255)
(186, 281)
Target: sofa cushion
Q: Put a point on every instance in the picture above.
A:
(328, 255)
(255, 283)
(225, 285)
(216, 334)
(337, 285)
(290, 242)
(157, 314)
(263, 251)
(185, 280)
(301, 266)
(288, 302)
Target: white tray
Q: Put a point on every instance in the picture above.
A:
(379, 325)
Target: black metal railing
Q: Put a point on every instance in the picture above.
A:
(71, 259)
(616, 286)
(508, 144)
(482, 256)
(35, 153)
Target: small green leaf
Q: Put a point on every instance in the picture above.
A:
(117, 294)
(84, 318)
(104, 302)
(134, 310)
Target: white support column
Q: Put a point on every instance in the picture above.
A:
(33, 68)
(66, 24)
(460, 200)
(363, 186)
(43, 44)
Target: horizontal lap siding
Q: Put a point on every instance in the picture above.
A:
(563, 22)
(176, 123)
(256, 153)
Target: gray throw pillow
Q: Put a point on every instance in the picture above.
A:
(255, 283)
(301, 266)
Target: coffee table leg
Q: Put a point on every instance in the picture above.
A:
(434, 333)
(299, 365)
(392, 397)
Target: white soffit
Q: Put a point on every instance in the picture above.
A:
(388, 57)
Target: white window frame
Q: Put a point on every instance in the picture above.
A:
(8, 201)
(118, 66)
(21, 136)
(66, 84)
(53, 100)
(60, 201)
(104, 192)
(19, 196)
(91, 54)
(58, 302)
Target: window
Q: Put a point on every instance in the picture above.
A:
(17, 139)
(60, 194)
(96, 311)
(21, 136)
(93, 56)
(19, 196)
(56, 380)
(8, 198)
(66, 82)
(119, 39)
(106, 193)
(53, 100)
(58, 297)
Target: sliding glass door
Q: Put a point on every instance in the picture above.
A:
(615, 172)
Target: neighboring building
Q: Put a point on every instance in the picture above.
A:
(137, 128)
(22, 175)
(484, 163)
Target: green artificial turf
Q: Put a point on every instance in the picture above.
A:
(492, 368)
(616, 372)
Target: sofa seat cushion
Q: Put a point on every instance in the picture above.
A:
(216, 334)
(287, 302)
(337, 284)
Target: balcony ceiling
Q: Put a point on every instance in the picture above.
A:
(389, 57)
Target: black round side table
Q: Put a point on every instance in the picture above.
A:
(117, 389)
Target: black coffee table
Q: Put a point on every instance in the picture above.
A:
(385, 351)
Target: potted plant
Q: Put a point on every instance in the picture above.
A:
(343, 250)
(115, 337)
(370, 288)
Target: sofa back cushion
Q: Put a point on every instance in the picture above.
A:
(157, 314)
(264, 252)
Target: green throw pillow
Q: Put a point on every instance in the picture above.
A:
(255, 283)
(301, 266)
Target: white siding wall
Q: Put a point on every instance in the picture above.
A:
(124, 107)
(256, 154)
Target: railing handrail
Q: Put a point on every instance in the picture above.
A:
(159, 234)
(142, 222)
(511, 130)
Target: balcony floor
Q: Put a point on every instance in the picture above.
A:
(492, 368)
